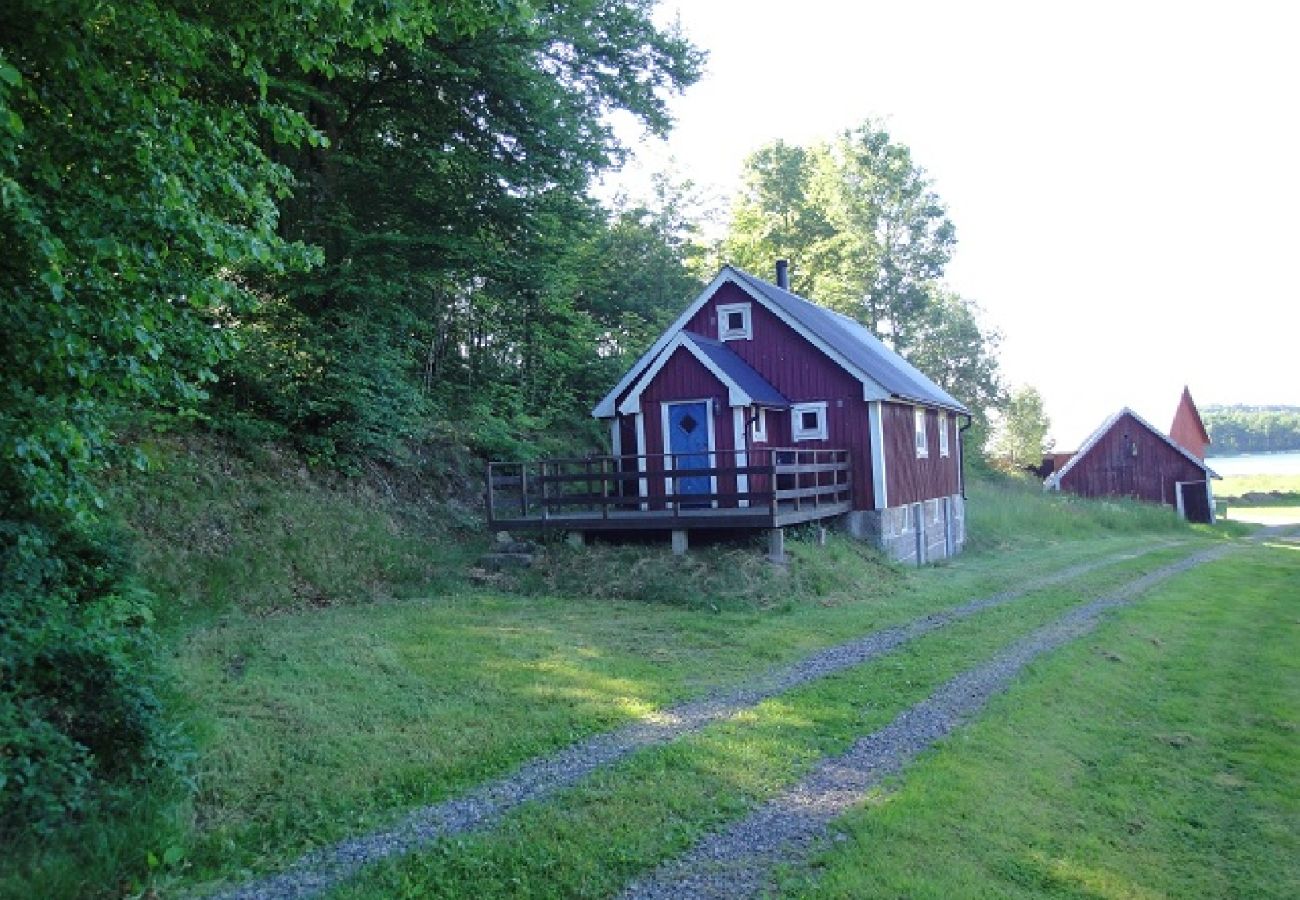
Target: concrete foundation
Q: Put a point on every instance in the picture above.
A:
(680, 542)
(915, 534)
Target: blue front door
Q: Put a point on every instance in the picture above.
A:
(688, 442)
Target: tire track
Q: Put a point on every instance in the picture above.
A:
(544, 776)
(738, 861)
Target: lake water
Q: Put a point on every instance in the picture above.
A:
(1256, 464)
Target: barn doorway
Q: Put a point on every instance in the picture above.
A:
(688, 429)
(1194, 501)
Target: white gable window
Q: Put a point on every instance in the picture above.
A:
(808, 421)
(735, 322)
(760, 424)
(943, 433)
(922, 448)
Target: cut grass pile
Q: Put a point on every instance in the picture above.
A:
(1156, 758)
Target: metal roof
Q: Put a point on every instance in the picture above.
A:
(739, 371)
(858, 345)
(883, 373)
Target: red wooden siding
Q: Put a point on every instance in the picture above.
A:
(803, 373)
(1131, 461)
(910, 479)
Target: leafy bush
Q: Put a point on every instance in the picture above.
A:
(78, 705)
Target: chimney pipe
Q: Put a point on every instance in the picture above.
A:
(783, 274)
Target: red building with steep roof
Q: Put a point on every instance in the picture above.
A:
(1188, 429)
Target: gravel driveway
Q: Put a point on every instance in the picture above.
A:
(544, 776)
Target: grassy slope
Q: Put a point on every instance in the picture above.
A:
(1156, 758)
(336, 668)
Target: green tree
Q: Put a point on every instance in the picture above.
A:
(865, 231)
(961, 355)
(1021, 436)
(450, 201)
(140, 193)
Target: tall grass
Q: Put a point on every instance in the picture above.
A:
(219, 529)
(1010, 511)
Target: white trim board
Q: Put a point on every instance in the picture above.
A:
(736, 395)
(879, 484)
(740, 452)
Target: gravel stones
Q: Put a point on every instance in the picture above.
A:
(738, 861)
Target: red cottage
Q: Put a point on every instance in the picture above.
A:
(1188, 429)
(759, 409)
(1126, 457)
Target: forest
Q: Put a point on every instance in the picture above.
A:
(1253, 429)
(354, 228)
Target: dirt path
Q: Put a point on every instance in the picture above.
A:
(544, 776)
(738, 862)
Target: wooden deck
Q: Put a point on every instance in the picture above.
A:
(755, 489)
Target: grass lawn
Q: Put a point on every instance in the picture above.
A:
(1156, 758)
(334, 668)
(590, 840)
(1234, 486)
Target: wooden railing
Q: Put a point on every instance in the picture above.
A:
(757, 480)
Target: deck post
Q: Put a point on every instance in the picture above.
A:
(776, 545)
(680, 542)
(604, 490)
(523, 489)
(546, 509)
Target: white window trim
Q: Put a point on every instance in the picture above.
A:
(920, 438)
(760, 425)
(943, 433)
(798, 432)
(745, 332)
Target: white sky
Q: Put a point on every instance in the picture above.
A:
(1124, 177)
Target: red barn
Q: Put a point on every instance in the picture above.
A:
(1126, 457)
(754, 373)
(1188, 429)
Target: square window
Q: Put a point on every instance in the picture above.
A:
(735, 322)
(809, 421)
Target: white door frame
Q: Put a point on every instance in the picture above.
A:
(667, 448)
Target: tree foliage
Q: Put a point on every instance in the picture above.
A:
(342, 216)
(865, 230)
(868, 236)
(450, 203)
(1021, 436)
(1253, 429)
